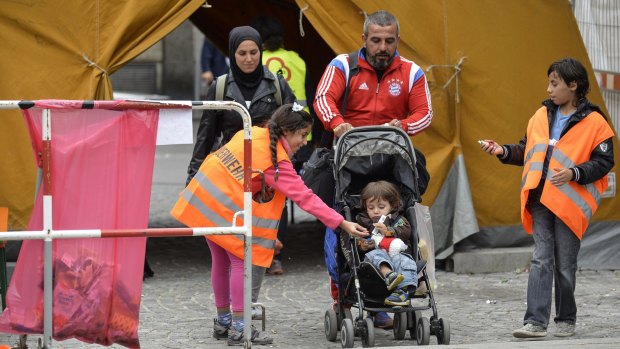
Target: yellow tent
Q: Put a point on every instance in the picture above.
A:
(486, 63)
(66, 50)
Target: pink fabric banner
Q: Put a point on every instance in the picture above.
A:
(102, 167)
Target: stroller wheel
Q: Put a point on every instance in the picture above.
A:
(400, 325)
(423, 331)
(413, 325)
(331, 325)
(347, 336)
(443, 337)
(368, 335)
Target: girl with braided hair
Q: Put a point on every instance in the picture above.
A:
(216, 193)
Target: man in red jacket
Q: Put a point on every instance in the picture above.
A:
(387, 89)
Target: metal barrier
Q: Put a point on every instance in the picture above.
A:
(48, 234)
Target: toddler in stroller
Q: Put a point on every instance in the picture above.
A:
(389, 248)
(367, 157)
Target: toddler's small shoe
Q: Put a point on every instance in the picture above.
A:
(392, 279)
(398, 297)
(259, 338)
(220, 331)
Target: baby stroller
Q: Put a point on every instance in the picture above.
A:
(363, 155)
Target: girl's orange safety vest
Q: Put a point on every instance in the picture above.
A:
(573, 203)
(216, 193)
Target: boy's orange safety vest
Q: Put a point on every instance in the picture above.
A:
(573, 203)
(216, 193)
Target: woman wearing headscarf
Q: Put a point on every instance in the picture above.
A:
(250, 84)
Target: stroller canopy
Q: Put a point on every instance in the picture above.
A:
(372, 153)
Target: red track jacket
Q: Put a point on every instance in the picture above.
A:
(402, 93)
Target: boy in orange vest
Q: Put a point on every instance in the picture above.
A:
(566, 155)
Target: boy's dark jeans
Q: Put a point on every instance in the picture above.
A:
(555, 258)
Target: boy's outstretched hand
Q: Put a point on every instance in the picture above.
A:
(491, 147)
(353, 229)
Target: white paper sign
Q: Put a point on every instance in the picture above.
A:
(175, 126)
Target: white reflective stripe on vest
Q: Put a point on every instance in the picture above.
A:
(534, 166)
(222, 198)
(566, 162)
(535, 149)
(218, 220)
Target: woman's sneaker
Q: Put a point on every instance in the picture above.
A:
(530, 331)
(220, 331)
(259, 338)
(392, 279)
(398, 297)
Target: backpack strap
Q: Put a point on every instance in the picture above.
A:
(353, 70)
(220, 85)
(278, 95)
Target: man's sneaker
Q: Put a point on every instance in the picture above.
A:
(564, 329)
(392, 279)
(275, 268)
(382, 320)
(257, 312)
(259, 338)
(219, 331)
(530, 331)
(398, 297)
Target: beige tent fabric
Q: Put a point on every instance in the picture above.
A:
(504, 48)
(66, 50)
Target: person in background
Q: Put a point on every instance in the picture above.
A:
(387, 89)
(249, 84)
(212, 62)
(292, 67)
(216, 191)
(566, 154)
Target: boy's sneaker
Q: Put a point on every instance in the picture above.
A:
(383, 320)
(398, 297)
(530, 331)
(392, 279)
(564, 329)
(219, 331)
(259, 338)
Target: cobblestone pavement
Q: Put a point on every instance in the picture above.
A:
(483, 309)
(177, 303)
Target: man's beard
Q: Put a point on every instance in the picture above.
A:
(379, 64)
